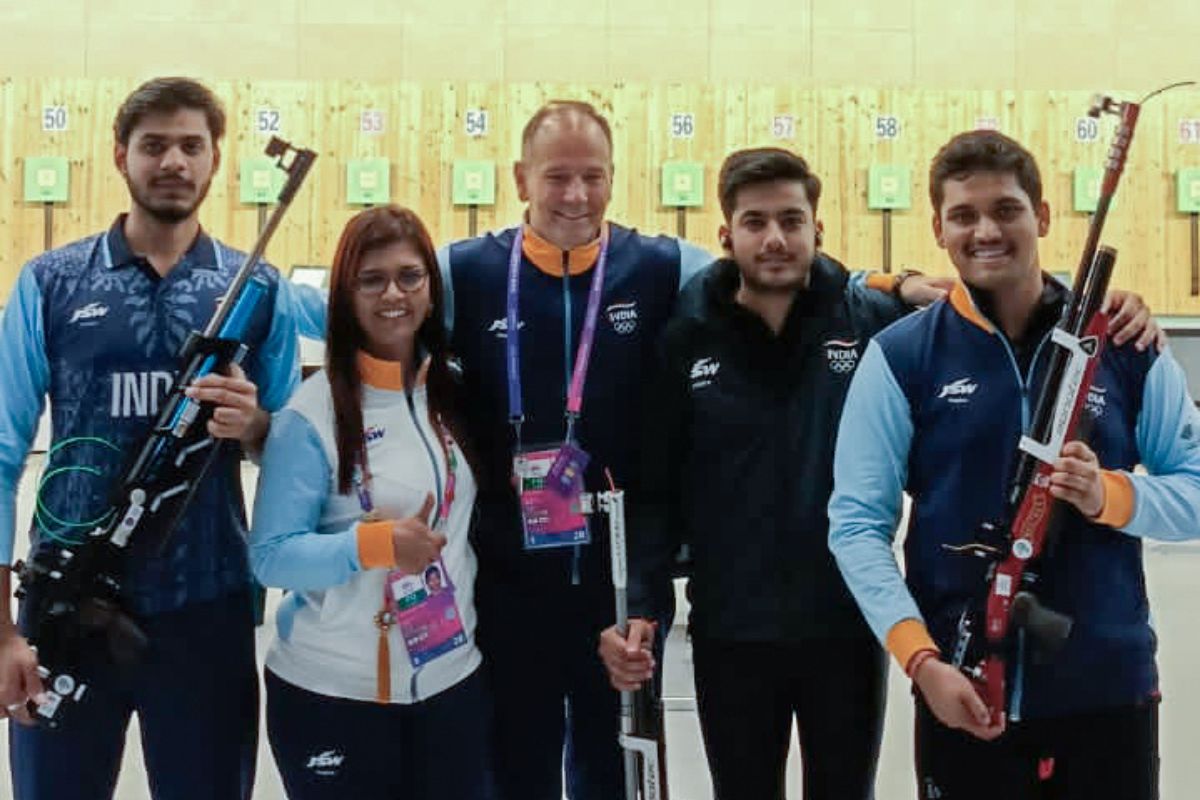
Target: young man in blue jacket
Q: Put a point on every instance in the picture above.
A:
(936, 409)
(97, 327)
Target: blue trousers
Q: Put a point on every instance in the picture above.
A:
(196, 696)
(331, 748)
(556, 711)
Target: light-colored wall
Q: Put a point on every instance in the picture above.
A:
(424, 135)
(999, 44)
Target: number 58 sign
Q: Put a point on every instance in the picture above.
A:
(887, 127)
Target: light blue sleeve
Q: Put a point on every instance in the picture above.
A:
(24, 380)
(692, 259)
(309, 306)
(278, 359)
(858, 278)
(285, 548)
(443, 258)
(1167, 501)
(870, 469)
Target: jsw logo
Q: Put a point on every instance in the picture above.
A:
(500, 327)
(374, 434)
(705, 368)
(330, 759)
(958, 391)
(90, 311)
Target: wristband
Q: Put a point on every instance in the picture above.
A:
(919, 658)
(901, 278)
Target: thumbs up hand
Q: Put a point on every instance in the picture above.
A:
(416, 546)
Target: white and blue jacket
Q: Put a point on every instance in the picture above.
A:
(307, 538)
(935, 410)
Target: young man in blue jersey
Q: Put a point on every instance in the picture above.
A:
(97, 326)
(936, 409)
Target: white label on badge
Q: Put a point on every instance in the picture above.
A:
(1003, 585)
(407, 585)
(683, 125)
(54, 119)
(260, 179)
(368, 180)
(46, 178)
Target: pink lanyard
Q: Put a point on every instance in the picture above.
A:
(362, 485)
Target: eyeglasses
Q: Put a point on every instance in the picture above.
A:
(408, 280)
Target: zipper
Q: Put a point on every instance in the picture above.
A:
(437, 476)
(437, 488)
(577, 550)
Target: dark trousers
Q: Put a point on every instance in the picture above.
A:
(1093, 756)
(336, 749)
(554, 706)
(748, 694)
(196, 696)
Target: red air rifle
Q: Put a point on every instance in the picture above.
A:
(1014, 548)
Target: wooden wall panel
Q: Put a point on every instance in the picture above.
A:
(425, 133)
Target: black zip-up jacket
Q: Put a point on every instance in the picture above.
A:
(740, 427)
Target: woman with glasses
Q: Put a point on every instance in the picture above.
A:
(373, 684)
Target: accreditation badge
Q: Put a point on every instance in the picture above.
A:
(551, 513)
(426, 613)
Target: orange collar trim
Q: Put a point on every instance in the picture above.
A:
(549, 257)
(963, 303)
(387, 375)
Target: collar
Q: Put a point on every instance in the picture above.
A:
(972, 304)
(379, 373)
(548, 257)
(826, 284)
(826, 277)
(202, 253)
(964, 304)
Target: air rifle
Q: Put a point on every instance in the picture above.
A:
(642, 735)
(990, 626)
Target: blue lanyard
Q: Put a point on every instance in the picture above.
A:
(583, 356)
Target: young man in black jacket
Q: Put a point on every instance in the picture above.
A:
(740, 423)
(738, 463)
